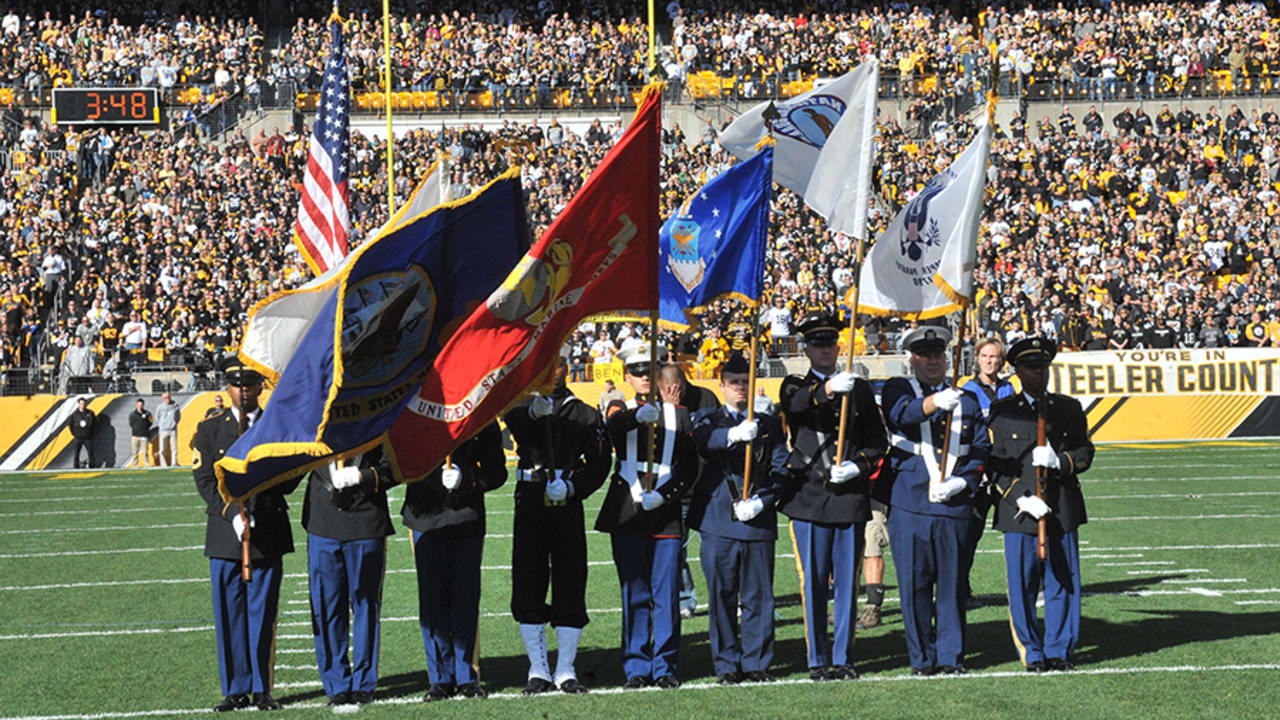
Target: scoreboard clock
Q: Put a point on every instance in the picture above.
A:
(106, 106)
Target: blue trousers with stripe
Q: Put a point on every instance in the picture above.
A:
(649, 572)
(739, 573)
(449, 604)
(244, 622)
(1023, 571)
(346, 609)
(928, 554)
(822, 552)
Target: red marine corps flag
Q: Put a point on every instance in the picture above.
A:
(600, 255)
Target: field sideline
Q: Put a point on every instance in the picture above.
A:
(105, 594)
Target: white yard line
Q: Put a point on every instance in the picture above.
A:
(1202, 581)
(1185, 496)
(165, 526)
(1133, 518)
(1131, 564)
(1178, 571)
(81, 553)
(191, 508)
(57, 499)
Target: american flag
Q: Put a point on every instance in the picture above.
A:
(323, 223)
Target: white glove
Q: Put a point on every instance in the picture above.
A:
(237, 523)
(1033, 506)
(947, 489)
(947, 400)
(343, 477)
(844, 472)
(841, 382)
(651, 500)
(1045, 457)
(451, 477)
(747, 509)
(637, 493)
(541, 407)
(743, 432)
(648, 414)
(557, 490)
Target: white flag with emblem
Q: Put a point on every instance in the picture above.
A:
(921, 266)
(825, 143)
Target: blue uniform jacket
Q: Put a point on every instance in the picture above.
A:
(904, 412)
(712, 508)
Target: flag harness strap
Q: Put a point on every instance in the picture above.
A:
(632, 470)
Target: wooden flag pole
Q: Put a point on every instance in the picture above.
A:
(853, 336)
(751, 403)
(246, 556)
(649, 478)
(955, 377)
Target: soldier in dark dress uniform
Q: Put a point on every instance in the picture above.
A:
(738, 535)
(347, 523)
(564, 457)
(244, 614)
(931, 499)
(828, 503)
(644, 524)
(1015, 458)
(445, 512)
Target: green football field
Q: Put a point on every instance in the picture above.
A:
(106, 611)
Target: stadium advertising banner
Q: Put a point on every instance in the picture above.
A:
(1174, 394)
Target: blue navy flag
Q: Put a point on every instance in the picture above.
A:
(389, 310)
(715, 244)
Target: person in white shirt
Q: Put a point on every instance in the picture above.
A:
(134, 332)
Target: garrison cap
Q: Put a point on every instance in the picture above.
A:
(820, 329)
(736, 364)
(1032, 351)
(927, 339)
(237, 373)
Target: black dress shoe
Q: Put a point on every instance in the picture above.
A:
(636, 683)
(264, 701)
(1059, 665)
(232, 702)
(472, 690)
(439, 691)
(820, 674)
(758, 676)
(1036, 666)
(667, 682)
(362, 697)
(342, 698)
(843, 672)
(571, 686)
(729, 678)
(923, 672)
(537, 686)
(951, 670)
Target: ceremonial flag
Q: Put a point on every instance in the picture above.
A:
(715, 243)
(599, 255)
(837, 121)
(922, 264)
(323, 223)
(389, 310)
(277, 324)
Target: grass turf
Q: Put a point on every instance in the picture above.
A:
(106, 610)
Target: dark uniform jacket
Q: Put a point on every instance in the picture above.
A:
(429, 508)
(813, 418)
(355, 513)
(906, 472)
(270, 536)
(140, 423)
(81, 423)
(1013, 435)
(579, 447)
(620, 513)
(721, 482)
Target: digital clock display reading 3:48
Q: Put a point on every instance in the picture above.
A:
(106, 106)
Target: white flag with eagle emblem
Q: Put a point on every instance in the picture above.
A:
(825, 143)
(921, 266)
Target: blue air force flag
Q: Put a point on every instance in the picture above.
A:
(715, 244)
(921, 266)
(397, 300)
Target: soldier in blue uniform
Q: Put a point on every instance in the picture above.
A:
(1015, 459)
(644, 523)
(244, 614)
(738, 536)
(564, 458)
(828, 503)
(347, 523)
(931, 499)
(445, 511)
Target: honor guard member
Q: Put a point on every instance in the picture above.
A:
(987, 386)
(828, 503)
(347, 523)
(244, 614)
(931, 503)
(738, 535)
(445, 512)
(564, 457)
(644, 524)
(1015, 459)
